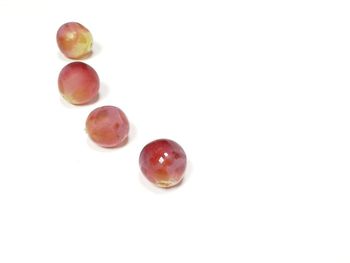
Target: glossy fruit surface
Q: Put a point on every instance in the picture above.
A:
(163, 162)
(78, 83)
(108, 126)
(74, 40)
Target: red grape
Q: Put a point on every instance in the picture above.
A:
(163, 162)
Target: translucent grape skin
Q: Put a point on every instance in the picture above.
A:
(108, 126)
(78, 83)
(163, 162)
(74, 40)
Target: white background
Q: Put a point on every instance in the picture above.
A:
(256, 92)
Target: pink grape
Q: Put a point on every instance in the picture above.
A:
(74, 40)
(78, 83)
(108, 126)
